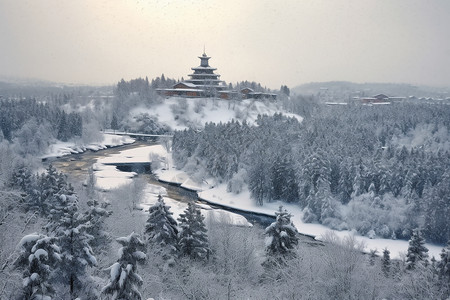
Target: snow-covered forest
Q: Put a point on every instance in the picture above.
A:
(382, 171)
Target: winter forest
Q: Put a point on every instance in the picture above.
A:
(380, 171)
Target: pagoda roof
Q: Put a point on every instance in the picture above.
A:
(181, 90)
(186, 84)
(203, 80)
(210, 85)
(203, 68)
(204, 74)
(381, 96)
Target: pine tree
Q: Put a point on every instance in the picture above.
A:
(124, 280)
(417, 252)
(38, 257)
(192, 239)
(282, 236)
(71, 230)
(96, 214)
(437, 210)
(161, 227)
(114, 123)
(44, 191)
(372, 256)
(443, 266)
(22, 178)
(94, 219)
(386, 262)
(63, 134)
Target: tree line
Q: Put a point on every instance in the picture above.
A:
(185, 259)
(352, 167)
(17, 117)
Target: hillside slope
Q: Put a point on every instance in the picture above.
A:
(180, 113)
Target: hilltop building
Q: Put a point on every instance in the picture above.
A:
(246, 93)
(380, 99)
(204, 82)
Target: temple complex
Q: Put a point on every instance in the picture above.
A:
(204, 82)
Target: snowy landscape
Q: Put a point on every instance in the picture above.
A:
(155, 150)
(123, 192)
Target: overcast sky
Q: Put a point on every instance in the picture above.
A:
(272, 42)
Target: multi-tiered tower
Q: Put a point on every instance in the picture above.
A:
(204, 83)
(204, 77)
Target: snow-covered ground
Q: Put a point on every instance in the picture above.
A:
(151, 193)
(112, 177)
(109, 177)
(243, 201)
(199, 111)
(65, 148)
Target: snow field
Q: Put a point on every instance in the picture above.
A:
(111, 178)
(202, 110)
(243, 201)
(65, 148)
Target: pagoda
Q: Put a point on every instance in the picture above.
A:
(204, 77)
(202, 83)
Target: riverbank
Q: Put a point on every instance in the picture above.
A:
(109, 177)
(60, 149)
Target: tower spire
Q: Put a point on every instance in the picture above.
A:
(204, 51)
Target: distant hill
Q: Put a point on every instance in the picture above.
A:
(12, 87)
(344, 89)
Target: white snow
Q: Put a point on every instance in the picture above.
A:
(111, 177)
(243, 201)
(115, 271)
(30, 238)
(139, 255)
(59, 148)
(41, 252)
(204, 110)
(122, 278)
(34, 277)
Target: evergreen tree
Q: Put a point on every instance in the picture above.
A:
(192, 239)
(372, 256)
(161, 227)
(443, 266)
(44, 190)
(23, 179)
(124, 280)
(282, 236)
(63, 134)
(71, 229)
(114, 123)
(437, 211)
(94, 219)
(38, 257)
(96, 214)
(386, 262)
(417, 252)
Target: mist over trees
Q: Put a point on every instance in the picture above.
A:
(18, 117)
(381, 170)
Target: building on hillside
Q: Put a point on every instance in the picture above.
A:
(379, 99)
(204, 82)
(184, 89)
(246, 93)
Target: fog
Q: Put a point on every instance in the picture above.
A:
(272, 42)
